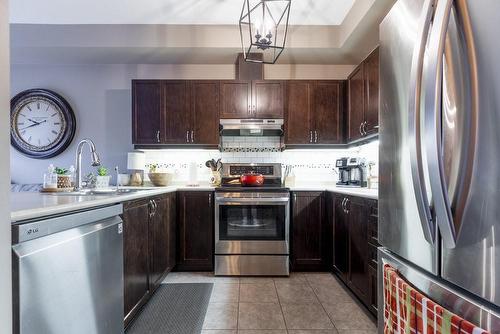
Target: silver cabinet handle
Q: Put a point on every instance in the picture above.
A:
(343, 204)
(192, 136)
(360, 131)
(363, 128)
(158, 136)
(315, 136)
(414, 107)
(187, 136)
(311, 136)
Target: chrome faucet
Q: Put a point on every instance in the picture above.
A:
(96, 161)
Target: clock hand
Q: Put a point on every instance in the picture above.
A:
(32, 125)
(29, 119)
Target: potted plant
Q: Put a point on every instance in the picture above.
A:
(102, 178)
(63, 179)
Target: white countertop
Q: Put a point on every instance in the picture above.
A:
(30, 205)
(361, 192)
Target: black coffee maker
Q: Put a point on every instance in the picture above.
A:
(352, 172)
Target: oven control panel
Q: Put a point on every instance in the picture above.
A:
(239, 170)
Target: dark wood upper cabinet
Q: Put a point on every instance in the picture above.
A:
(314, 112)
(195, 222)
(135, 256)
(363, 88)
(236, 99)
(298, 112)
(309, 232)
(162, 237)
(371, 72)
(177, 112)
(356, 104)
(147, 112)
(267, 99)
(327, 107)
(205, 112)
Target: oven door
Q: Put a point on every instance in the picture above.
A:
(252, 223)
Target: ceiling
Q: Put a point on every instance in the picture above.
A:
(304, 12)
(339, 32)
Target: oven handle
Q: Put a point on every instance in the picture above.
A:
(241, 201)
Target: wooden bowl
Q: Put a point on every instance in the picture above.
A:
(160, 179)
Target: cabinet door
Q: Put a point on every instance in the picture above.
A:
(160, 229)
(298, 113)
(147, 112)
(356, 91)
(135, 256)
(196, 230)
(205, 111)
(307, 246)
(358, 245)
(371, 78)
(373, 294)
(340, 238)
(235, 99)
(172, 230)
(177, 112)
(267, 99)
(327, 111)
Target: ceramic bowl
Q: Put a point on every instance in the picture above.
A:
(160, 179)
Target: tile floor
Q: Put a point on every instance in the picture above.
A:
(304, 303)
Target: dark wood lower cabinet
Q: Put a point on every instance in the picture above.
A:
(148, 248)
(355, 246)
(135, 256)
(195, 238)
(309, 232)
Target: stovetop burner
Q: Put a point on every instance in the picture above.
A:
(239, 188)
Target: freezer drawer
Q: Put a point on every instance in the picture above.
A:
(459, 302)
(71, 281)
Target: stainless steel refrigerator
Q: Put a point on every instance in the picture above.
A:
(439, 196)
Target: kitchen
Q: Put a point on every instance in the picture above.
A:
(302, 185)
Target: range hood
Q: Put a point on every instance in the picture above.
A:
(251, 127)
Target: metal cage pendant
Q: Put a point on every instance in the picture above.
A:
(263, 29)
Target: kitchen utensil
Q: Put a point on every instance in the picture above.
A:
(252, 179)
(160, 179)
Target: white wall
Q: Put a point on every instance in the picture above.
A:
(5, 249)
(101, 98)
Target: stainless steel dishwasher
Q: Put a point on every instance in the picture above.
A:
(68, 273)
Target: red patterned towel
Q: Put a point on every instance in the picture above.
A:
(407, 311)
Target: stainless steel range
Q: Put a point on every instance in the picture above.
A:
(252, 224)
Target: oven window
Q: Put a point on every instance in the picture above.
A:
(252, 222)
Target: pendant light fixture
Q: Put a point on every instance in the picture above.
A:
(263, 29)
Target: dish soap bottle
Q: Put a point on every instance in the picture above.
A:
(50, 178)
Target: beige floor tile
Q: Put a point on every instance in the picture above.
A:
(312, 331)
(189, 277)
(357, 331)
(295, 293)
(349, 316)
(332, 293)
(262, 331)
(221, 316)
(219, 331)
(258, 293)
(225, 293)
(260, 316)
(294, 278)
(256, 279)
(321, 278)
(306, 316)
(226, 279)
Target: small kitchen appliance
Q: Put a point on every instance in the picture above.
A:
(252, 222)
(352, 172)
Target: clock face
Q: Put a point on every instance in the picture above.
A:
(42, 123)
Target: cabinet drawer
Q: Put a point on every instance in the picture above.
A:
(372, 255)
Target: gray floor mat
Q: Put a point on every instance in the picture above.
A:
(174, 309)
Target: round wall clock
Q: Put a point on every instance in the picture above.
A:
(42, 123)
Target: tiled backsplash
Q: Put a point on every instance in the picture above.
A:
(309, 165)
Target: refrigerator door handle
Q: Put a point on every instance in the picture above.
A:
(449, 222)
(414, 123)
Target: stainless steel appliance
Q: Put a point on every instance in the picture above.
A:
(352, 172)
(252, 127)
(68, 273)
(438, 195)
(252, 223)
